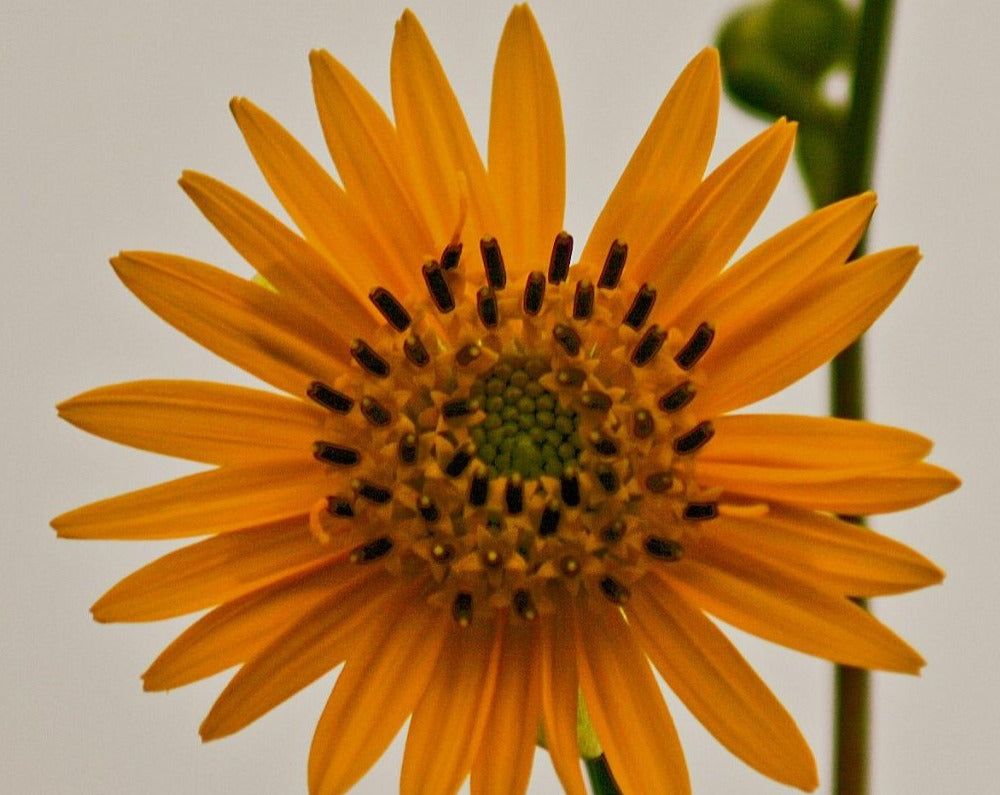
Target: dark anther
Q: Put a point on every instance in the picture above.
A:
(428, 510)
(330, 453)
(696, 347)
(339, 506)
(596, 401)
(373, 550)
(329, 398)
(603, 445)
(486, 306)
(451, 256)
(415, 351)
(569, 487)
(365, 355)
(648, 346)
(479, 489)
(461, 609)
(467, 354)
(607, 477)
(642, 305)
(549, 522)
(375, 412)
(496, 273)
(583, 300)
(459, 407)
(562, 253)
(571, 376)
(663, 548)
(393, 311)
(658, 482)
(694, 439)
(614, 532)
(677, 398)
(514, 494)
(614, 264)
(437, 286)
(642, 424)
(525, 605)
(442, 553)
(459, 461)
(700, 511)
(568, 338)
(406, 449)
(371, 492)
(614, 590)
(534, 293)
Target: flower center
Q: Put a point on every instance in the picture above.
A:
(516, 440)
(525, 430)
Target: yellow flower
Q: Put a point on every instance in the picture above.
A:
(492, 481)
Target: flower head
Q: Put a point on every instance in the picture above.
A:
(491, 481)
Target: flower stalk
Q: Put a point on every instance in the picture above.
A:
(852, 686)
(601, 780)
(775, 57)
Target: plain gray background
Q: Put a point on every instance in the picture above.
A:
(103, 104)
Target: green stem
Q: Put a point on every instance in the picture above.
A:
(601, 780)
(857, 155)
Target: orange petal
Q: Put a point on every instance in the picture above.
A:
(317, 204)
(449, 722)
(714, 681)
(807, 443)
(435, 138)
(836, 556)
(763, 353)
(852, 492)
(239, 630)
(306, 650)
(381, 683)
(503, 764)
(364, 147)
(560, 693)
(197, 420)
(666, 168)
(527, 148)
(705, 232)
(782, 607)
(247, 324)
(319, 287)
(217, 501)
(625, 704)
(213, 571)
(779, 265)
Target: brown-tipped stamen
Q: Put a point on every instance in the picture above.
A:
(366, 356)
(338, 455)
(562, 253)
(534, 293)
(694, 439)
(496, 272)
(642, 305)
(438, 287)
(329, 398)
(614, 264)
(696, 347)
(394, 312)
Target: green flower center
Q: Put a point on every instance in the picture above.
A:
(525, 430)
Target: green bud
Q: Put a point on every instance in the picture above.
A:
(809, 35)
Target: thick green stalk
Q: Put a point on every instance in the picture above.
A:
(857, 155)
(601, 780)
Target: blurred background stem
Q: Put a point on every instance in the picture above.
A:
(852, 717)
